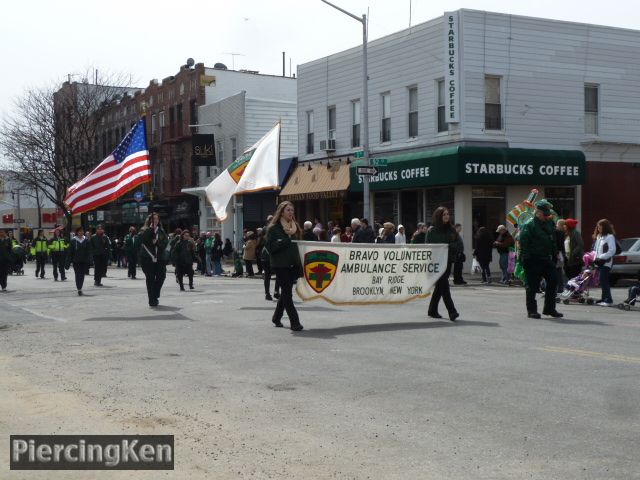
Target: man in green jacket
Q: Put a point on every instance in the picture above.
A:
(538, 253)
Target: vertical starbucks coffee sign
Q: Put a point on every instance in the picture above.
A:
(364, 274)
(451, 76)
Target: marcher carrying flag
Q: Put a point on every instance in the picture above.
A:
(127, 167)
(256, 169)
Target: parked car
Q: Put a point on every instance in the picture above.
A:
(627, 264)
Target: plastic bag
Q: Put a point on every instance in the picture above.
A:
(475, 266)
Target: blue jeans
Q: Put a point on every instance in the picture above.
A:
(208, 263)
(633, 293)
(604, 283)
(504, 266)
(217, 267)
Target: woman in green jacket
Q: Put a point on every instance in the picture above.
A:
(443, 232)
(79, 254)
(285, 261)
(153, 240)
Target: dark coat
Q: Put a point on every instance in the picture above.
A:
(183, 252)
(364, 235)
(504, 242)
(147, 236)
(484, 247)
(78, 252)
(5, 250)
(445, 234)
(283, 253)
(538, 240)
(309, 236)
(100, 245)
(576, 247)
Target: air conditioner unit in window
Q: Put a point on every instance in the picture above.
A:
(328, 145)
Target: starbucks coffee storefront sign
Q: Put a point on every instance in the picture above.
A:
(477, 166)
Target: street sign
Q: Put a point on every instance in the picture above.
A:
(379, 162)
(19, 220)
(370, 171)
(359, 154)
(138, 196)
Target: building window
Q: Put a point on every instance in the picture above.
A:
(160, 124)
(492, 106)
(385, 132)
(331, 122)
(413, 112)
(355, 123)
(487, 207)
(193, 115)
(443, 126)
(310, 132)
(591, 109)
(154, 129)
(234, 148)
(220, 153)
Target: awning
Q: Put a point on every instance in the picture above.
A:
(474, 166)
(319, 182)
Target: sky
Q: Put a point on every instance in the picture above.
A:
(44, 41)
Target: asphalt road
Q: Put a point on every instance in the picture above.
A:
(376, 392)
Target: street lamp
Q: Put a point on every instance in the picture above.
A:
(365, 103)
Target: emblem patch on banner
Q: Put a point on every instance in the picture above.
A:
(236, 169)
(320, 267)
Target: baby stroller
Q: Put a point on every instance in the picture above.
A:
(631, 301)
(577, 288)
(18, 257)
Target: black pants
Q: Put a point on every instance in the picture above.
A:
(132, 260)
(202, 265)
(4, 271)
(457, 270)
(267, 279)
(442, 291)
(99, 268)
(155, 273)
(249, 265)
(41, 259)
(181, 271)
(536, 269)
(572, 271)
(57, 260)
(286, 278)
(80, 270)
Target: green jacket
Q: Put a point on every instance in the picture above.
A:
(131, 245)
(538, 240)
(283, 252)
(208, 245)
(447, 234)
(183, 252)
(5, 250)
(147, 236)
(100, 245)
(78, 252)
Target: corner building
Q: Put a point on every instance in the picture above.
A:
(472, 110)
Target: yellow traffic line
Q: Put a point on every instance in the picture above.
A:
(586, 353)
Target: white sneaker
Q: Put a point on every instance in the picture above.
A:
(604, 304)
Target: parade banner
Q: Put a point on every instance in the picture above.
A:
(364, 274)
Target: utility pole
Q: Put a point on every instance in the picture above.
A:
(365, 107)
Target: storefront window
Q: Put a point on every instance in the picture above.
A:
(383, 207)
(563, 200)
(439, 197)
(488, 207)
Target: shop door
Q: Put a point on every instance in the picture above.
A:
(410, 203)
(488, 208)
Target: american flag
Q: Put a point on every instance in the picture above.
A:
(127, 167)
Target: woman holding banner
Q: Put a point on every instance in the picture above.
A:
(285, 261)
(442, 231)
